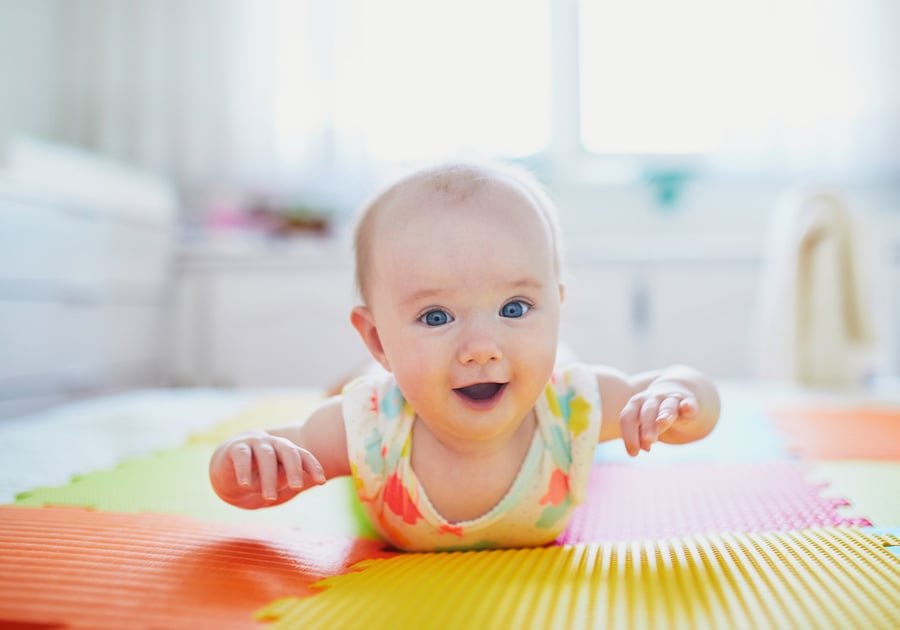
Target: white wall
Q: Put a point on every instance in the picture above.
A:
(28, 41)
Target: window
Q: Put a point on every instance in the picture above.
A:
(763, 85)
(417, 80)
(651, 74)
(772, 86)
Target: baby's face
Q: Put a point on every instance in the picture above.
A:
(466, 300)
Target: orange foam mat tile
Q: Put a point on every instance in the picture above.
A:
(76, 568)
(828, 578)
(841, 432)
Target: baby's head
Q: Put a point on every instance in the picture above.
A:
(448, 183)
(459, 269)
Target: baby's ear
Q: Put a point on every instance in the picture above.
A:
(361, 318)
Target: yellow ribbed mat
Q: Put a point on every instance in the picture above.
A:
(830, 578)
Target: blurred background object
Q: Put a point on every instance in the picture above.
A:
(816, 318)
(236, 137)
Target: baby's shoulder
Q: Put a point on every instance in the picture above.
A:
(376, 393)
(574, 377)
(572, 399)
(374, 403)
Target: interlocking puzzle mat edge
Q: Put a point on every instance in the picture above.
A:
(90, 569)
(816, 578)
(207, 439)
(175, 481)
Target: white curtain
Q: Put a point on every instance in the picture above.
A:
(259, 95)
(192, 88)
(297, 94)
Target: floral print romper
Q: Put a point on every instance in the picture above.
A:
(536, 508)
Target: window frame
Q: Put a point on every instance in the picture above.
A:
(569, 162)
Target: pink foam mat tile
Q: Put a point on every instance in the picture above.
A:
(631, 502)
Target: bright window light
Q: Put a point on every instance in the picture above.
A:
(650, 75)
(700, 76)
(446, 77)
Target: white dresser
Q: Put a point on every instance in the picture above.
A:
(86, 250)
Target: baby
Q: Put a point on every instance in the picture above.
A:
(473, 437)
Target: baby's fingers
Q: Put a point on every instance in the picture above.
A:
(241, 457)
(668, 413)
(292, 463)
(688, 407)
(312, 466)
(296, 461)
(629, 426)
(267, 469)
(675, 408)
(668, 408)
(650, 412)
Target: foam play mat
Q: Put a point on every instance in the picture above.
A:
(874, 486)
(628, 502)
(864, 432)
(77, 568)
(818, 578)
(145, 484)
(743, 530)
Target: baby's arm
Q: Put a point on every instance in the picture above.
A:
(675, 405)
(265, 468)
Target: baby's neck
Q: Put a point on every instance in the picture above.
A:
(474, 450)
(465, 483)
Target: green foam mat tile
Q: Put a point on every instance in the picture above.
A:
(871, 487)
(175, 481)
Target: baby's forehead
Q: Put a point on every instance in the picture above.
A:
(440, 192)
(448, 193)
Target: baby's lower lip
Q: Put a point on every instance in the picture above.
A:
(483, 404)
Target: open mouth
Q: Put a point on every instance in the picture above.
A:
(481, 391)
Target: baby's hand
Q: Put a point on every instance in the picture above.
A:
(258, 464)
(652, 412)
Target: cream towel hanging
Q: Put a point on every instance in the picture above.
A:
(815, 322)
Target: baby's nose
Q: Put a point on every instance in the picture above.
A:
(479, 348)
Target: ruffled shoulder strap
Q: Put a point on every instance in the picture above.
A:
(374, 418)
(570, 413)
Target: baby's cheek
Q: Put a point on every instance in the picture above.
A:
(419, 384)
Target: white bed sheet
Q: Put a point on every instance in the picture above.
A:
(49, 447)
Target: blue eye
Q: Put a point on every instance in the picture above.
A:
(516, 308)
(436, 317)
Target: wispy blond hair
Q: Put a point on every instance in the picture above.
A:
(456, 182)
